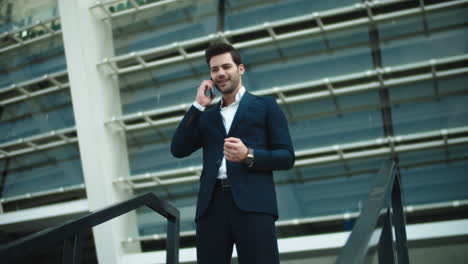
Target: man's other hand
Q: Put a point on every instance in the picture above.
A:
(235, 150)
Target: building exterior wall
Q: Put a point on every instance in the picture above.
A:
(88, 103)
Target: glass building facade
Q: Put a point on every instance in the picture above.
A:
(39, 154)
(359, 82)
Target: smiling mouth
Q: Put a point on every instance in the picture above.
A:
(222, 83)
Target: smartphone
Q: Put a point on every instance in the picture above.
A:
(210, 91)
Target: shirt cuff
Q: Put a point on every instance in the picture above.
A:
(199, 106)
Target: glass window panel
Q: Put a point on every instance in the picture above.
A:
(31, 61)
(149, 152)
(159, 158)
(433, 155)
(193, 21)
(448, 18)
(453, 84)
(440, 182)
(24, 13)
(412, 90)
(422, 48)
(49, 169)
(43, 103)
(456, 152)
(310, 109)
(332, 130)
(37, 116)
(41, 171)
(405, 26)
(348, 38)
(294, 48)
(318, 172)
(449, 112)
(307, 68)
(415, 25)
(161, 91)
(242, 13)
(323, 197)
(359, 99)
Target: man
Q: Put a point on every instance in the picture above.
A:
(244, 138)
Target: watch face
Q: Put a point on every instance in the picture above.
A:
(250, 158)
(250, 153)
(249, 162)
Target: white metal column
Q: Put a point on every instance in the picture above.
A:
(96, 99)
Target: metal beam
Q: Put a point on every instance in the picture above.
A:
(48, 83)
(105, 10)
(36, 195)
(14, 39)
(40, 142)
(109, 65)
(378, 147)
(327, 88)
(287, 94)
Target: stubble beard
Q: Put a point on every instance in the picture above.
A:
(229, 89)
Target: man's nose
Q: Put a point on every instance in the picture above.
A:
(221, 73)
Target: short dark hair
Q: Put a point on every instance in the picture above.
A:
(220, 48)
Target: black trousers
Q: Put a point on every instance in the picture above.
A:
(224, 225)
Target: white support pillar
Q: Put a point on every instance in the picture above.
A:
(96, 98)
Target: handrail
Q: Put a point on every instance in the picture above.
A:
(71, 232)
(381, 217)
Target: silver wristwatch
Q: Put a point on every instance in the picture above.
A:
(249, 160)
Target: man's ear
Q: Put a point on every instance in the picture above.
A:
(241, 68)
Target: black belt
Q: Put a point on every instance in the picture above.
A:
(223, 183)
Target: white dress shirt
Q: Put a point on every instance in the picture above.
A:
(227, 113)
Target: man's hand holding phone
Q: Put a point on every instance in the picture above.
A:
(205, 93)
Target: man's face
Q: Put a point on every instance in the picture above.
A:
(225, 73)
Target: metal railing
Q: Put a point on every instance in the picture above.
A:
(381, 219)
(41, 30)
(71, 232)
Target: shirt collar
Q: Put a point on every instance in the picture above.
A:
(239, 95)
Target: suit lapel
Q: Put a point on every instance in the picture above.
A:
(218, 120)
(241, 111)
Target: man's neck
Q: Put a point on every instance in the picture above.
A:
(230, 98)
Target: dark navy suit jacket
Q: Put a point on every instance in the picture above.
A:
(262, 126)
